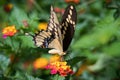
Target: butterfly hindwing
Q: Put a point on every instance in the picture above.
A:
(43, 38)
(68, 22)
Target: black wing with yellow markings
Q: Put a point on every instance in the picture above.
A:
(68, 22)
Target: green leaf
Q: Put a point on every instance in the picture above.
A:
(24, 76)
(112, 49)
(57, 77)
(12, 42)
(75, 60)
(15, 44)
(29, 77)
(103, 32)
(8, 41)
(26, 42)
(17, 17)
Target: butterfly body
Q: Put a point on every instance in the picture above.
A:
(58, 36)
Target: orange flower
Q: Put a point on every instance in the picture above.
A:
(59, 67)
(59, 10)
(8, 7)
(42, 26)
(54, 58)
(40, 63)
(9, 31)
(74, 1)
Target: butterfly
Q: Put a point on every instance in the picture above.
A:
(58, 35)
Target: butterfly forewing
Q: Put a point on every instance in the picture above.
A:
(54, 27)
(51, 36)
(68, 22)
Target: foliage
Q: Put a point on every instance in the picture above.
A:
(92, 55)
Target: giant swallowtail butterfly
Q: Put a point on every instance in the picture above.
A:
(58, 36)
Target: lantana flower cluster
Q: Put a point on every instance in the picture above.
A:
(9, 31)
(59, 67)
(54, 64)
(73, 1)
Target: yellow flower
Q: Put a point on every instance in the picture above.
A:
(64, 67)
(63, 63)
(42, 26)
(40, 63)
(9, 31)
(54, 58)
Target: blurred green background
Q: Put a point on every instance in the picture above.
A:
(97, 37)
